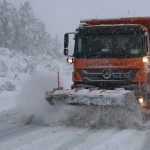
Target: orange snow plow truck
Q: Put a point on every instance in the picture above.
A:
(111, 76)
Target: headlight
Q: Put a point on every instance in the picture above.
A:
(140, 99)
(145, 59)
(70, 60)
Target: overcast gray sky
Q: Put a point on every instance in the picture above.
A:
(62, 16)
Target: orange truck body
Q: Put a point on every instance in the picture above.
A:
(141, 77)
(134, 63)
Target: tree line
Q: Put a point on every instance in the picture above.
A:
(21, 31)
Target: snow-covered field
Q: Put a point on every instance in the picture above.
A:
(28, 122)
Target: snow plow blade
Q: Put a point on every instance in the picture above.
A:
(98, 108)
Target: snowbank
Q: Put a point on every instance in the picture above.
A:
(16, 69)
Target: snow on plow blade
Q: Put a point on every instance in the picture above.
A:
(99, 107)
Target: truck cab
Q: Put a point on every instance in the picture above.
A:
(111, 54)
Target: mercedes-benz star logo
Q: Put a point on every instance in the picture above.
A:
(106, 73)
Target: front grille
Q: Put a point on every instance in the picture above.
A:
(108, 75)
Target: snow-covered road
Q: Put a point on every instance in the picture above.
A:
(16, 135)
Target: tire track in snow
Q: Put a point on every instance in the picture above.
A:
(11, 125)
(106, 139)
(16, 131)
(97, 138)
(51, 137)
(83, 138)
(127, 139)
(75, 141)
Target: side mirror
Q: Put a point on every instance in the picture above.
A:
(66, 43)
(66, 51)
(66, 40)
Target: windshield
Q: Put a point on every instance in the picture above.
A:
(109, 45)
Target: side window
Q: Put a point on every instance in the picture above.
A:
(145, 44)
(79, 44)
